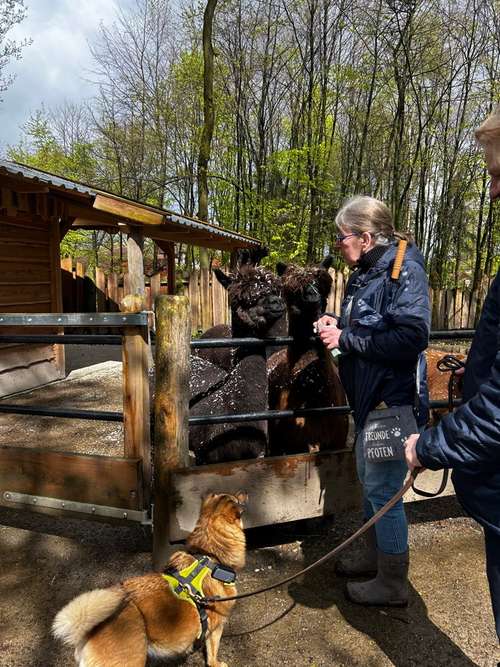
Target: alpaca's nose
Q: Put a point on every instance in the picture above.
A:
(274, 304)
(311, 294)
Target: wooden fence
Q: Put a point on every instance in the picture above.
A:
(208, 299)
(451, 308)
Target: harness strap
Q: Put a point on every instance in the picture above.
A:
(187, 584)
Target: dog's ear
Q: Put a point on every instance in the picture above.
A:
(242, 497)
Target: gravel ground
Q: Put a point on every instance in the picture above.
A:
(46, 561)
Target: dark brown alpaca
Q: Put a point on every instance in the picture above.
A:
(303, 376)
(256, 306)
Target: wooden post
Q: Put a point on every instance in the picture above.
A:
(171, 407)
(136, 405)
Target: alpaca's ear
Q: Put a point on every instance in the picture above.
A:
(224, 280)
(327, 262)
(281, 267)
(262, 252)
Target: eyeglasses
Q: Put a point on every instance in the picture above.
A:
(342, 237)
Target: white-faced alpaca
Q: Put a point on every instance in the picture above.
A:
(303, 376)
(256, 306)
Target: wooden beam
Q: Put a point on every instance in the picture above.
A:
(280, 489)
(93, 216)
(103, 480)
(23, 185)
(128, 210)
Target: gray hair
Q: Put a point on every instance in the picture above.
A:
(367, 214)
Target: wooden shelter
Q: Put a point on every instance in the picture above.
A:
(36, 210)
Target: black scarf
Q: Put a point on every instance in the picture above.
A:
(371, 257)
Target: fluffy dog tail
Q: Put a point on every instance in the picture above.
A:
(73, 623)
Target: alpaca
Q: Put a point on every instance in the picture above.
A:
(224, 356)
(304, 375)
(256, 307)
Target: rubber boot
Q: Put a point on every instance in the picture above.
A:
(363, 561)
(390, 586)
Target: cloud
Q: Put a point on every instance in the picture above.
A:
(56, 65)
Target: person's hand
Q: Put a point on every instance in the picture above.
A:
(330, 336)
(460, 371)
(324, 321)
(411, 453)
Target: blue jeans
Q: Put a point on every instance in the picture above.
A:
(381, 481)
(492, 544)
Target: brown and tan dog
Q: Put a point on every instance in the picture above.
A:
(121, 625)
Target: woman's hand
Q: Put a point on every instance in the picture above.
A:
(328, 331)
(411, 452)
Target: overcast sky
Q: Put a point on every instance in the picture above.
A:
(55, 66)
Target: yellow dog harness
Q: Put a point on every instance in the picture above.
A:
(187, 584)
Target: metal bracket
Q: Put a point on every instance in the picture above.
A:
(140, 516)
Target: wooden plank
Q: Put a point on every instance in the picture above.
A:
(30, 375)
(330, 302)
(194, 300)
(219, 304)
(79, 278)
(155, 286)
(29, 235)
(100, 283)
(280, 489)
(465, 310)
(339, 292)
(67, 264)
(23, 356)
(136, 405)
(103, 480)
(24, 222)
(10, 274)
(28, 253)
(173, 333)
(23, 292)
(135, 261)
(128, 210)
(457, 319)
(113, 292)
(205, 300)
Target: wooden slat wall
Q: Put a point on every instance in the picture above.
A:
(29, 283)
(104, 480)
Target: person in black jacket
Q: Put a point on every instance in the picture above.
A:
(382, 330)
(468, 440)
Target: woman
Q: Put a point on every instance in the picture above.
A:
(382, 330)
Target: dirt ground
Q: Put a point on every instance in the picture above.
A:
(46, 561)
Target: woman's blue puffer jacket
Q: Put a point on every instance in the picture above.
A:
(385, 327)
(468, 440)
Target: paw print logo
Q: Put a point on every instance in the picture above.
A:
(396, 431)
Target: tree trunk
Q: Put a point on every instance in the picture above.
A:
(208, 125)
